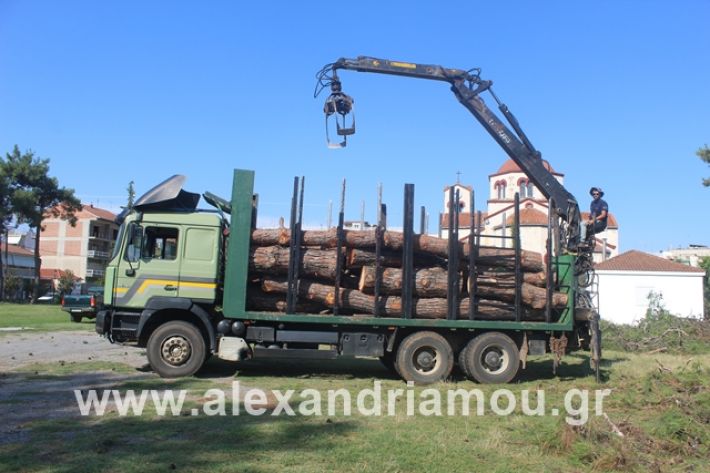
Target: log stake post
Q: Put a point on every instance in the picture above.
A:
(472, 273)
(479, 228)
(422, 220)
(295, 244)
(254, 210)
(379, 237)
(339, 251)
(518, 271)
(548, 263)
(408, 253)
(453, 263)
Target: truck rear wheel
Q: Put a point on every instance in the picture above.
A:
(424, 358)
(176, 349)
(490, 358)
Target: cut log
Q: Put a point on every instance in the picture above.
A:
(282, 236)
(391, 306)
(434, 282)
(499, 258)
(429, 282)
(357, 258)
(274, 260)
(533, 296)
(360, 239)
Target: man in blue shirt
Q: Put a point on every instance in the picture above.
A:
(598, 212)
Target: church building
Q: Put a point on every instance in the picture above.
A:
(498, 216)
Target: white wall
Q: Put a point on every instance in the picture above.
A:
(623, 295)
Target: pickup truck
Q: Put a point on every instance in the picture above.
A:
(83, 305)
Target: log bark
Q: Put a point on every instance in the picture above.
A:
(275, 259)
(282, 237)
(360, 239)
(429, 282)
(432, 308)
(357, 258)
(434, 282)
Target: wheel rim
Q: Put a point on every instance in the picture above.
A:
(176, 350)
(494, 359)
(426, 360)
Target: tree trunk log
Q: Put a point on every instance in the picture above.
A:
(433, 282)
(429, 282)
(360, 239)
(275, 260)
(433, 308)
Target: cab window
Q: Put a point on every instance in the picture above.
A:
(160, 243)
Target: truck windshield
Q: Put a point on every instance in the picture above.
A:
(119, 240)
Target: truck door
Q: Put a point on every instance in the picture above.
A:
(199, 265)
(150, 267)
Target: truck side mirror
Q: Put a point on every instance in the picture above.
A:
(133, 250)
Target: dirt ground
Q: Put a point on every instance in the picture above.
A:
(27, 396)
(21, 349)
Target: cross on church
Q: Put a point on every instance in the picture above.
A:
(458, 177)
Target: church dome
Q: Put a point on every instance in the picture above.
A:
(510, 166)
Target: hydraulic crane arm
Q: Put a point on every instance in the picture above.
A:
(467, 86)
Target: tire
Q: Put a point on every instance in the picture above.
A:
(424, 358)
(490, 358)
(176, 349)
(75, 317)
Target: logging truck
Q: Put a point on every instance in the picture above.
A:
(186, 283)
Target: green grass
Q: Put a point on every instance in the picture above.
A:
(42, 317)
(661, 403)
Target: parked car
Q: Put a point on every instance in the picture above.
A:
(83, 305)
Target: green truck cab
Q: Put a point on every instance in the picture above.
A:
(177, 285)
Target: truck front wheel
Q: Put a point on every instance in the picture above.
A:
(176, 349)
(490, 358)
(425, 358)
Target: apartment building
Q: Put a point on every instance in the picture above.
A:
(85, 248)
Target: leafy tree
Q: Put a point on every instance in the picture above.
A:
(705, 264)
(35, 196)
(704, 154)
(5, 216)
(12, 286)
(66, 282)
(131, 194)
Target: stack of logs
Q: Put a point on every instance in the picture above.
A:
(269, 263)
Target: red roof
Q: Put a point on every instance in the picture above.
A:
(510, 166)
(464, 220)
(529, 216)
(634, 260)
(100, 213)
(91, 212)
(49, 273)
(16, 250)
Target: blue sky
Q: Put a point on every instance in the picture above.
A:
(613, 93)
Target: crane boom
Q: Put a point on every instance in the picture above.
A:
(467, 86)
